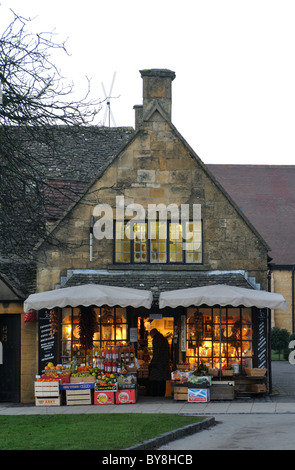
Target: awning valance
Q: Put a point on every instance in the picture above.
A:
(221, 295)
(89, 294)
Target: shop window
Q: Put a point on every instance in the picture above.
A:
(111, 330)
(158, 242)
(215, 339)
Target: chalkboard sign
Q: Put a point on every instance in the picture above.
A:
(47, 343)
(261, 339)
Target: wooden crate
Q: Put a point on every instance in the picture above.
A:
(83, 379)
(79, 397)
(47, 393)
(180, 393)
(258, 388)
(47, 401)
(46, 389)
(222, 392)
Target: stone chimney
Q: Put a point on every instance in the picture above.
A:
(156, 91)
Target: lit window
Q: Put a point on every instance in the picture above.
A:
(158, 242)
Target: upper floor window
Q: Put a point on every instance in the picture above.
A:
(158, 242)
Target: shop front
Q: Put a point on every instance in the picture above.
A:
(105, 344)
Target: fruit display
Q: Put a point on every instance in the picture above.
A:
(48, 378)
(106, 382)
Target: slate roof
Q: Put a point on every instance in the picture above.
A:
(76, 156)
(266, 194)
(157, 281)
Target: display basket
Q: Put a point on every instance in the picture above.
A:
(256, 372)
(213, 371)
(227, 373)
(183, 367)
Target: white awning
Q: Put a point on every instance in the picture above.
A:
(221, 295)
(89, 294)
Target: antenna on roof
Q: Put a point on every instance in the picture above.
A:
(108, 113)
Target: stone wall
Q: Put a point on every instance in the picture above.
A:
(157, 166)
(282, 284)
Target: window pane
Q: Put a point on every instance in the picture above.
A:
(122, 244)
(193, 245)
(175, 243)
(140, 243)
(158, 240)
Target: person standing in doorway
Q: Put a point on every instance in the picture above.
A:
(159, 367)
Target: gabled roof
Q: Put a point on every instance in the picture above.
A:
(266, 195)
(9, 291)
(77, 154)
(158, 108)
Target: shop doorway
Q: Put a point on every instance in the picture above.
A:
(10, 358)
(167, 326)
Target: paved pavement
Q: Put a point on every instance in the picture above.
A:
(259, 423)
(280, 402)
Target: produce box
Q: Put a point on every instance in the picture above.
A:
(101, 386)
(124, 397)
(65, 379)
(180, 393)
(196, 380)
(47, 401)
(78, 397)
(83, 378)
(126, 381)
(183, 367)
(227, 372)
(198, 395)
(222, 391)
(46, 389)
(106, 397)
(255, 372)
(213, 371)
(180, 376)
(258, 388)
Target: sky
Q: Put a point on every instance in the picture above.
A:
(233, 98)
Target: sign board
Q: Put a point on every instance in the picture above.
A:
(156, 316)
(133, 335)
(47, 343)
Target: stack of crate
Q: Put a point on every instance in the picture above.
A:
(47, 393)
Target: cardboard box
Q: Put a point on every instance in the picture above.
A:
(198, 395)
(258, 388)
(106, 397)
(124, 397)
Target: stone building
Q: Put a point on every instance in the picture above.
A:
(153, 165)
